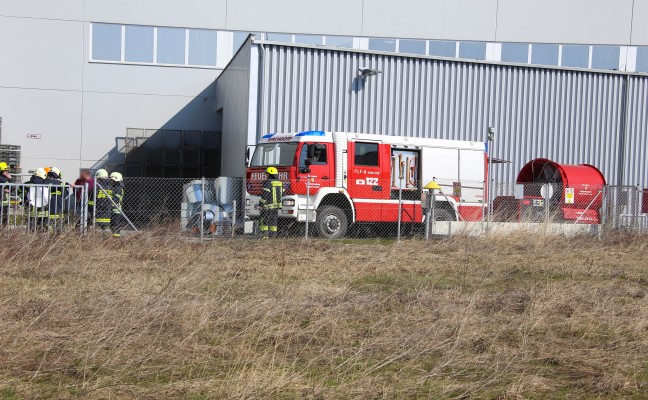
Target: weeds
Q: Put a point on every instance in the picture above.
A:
(154, 317)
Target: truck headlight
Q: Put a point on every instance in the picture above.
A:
(288, 203)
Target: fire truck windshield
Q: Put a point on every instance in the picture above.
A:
(277, 154)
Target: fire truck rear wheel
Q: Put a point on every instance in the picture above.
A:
(331, 222)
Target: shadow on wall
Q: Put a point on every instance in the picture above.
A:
(188, 145)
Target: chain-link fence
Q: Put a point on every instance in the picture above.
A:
(316, 206)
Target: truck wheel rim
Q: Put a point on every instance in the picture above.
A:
(332, 224)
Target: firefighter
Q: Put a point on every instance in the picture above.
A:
(117, 182)
(270, 203)
(58, 193)
(37, 196)
(5, 191)
(103, 206)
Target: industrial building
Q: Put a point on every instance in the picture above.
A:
(162, 88)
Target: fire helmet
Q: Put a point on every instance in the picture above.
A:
(272, 171)
(56, 172)
(101, 173)
(4, 167)
(116, 176)
(40, 172)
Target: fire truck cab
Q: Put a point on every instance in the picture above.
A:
(336, 179)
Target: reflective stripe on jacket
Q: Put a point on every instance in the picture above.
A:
(272, 192)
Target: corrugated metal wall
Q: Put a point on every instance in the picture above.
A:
(569, 116)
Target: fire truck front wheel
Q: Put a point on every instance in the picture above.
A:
(331, 222)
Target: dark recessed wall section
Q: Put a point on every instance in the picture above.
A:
(171, 154)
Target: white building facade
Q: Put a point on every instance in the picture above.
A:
(83, 81)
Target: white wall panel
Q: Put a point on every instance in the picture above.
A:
(46, 54)
(60, 9)
(336, 17)
(565, 21)
(640, 23)
(54, 115)
(189, 14)
(152, 80)
(432, 19)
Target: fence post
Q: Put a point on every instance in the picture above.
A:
(604, 211)
(307, 206)
(400, 207)
(233, 222)
(202, 209)
(428, 213)
(84, 209)
(94, 204)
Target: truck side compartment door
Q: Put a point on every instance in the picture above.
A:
(368, 180)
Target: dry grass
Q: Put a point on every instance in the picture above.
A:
(153, 317)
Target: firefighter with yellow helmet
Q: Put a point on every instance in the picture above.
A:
(270, 203)
(5, 177)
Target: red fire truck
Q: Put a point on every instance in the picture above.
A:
(362, 178)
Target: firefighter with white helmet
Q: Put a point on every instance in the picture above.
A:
(270, 203)
(5, 177)
(116, 219)
(37, 197)
(103, 206)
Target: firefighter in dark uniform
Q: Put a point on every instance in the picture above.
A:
(117, 182)
(58, 193)
(5, 191)
(103, 206)
(270, 203)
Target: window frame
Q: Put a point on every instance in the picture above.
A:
(355, 154)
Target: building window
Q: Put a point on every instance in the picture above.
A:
(202, 47)
(239, 39)
(366, 154)
(442, 48)
(544, 54)
(308, 39)
(575, 56)
(382, 44)
(642, 59)
(515, 52)
(339, 41)
(605, 57)
(411, 46)
(472, 50)
(139, 44)
(279, 37)
(171, 45)
(106, 42)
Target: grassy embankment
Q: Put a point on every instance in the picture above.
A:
(153, 317)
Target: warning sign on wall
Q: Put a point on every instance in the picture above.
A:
(569, 195)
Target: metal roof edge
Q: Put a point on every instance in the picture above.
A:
(450, 59)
